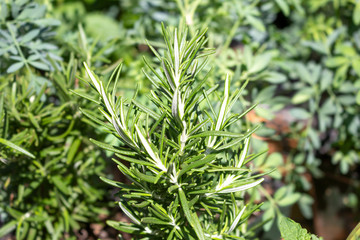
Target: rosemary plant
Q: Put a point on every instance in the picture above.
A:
(187, 172)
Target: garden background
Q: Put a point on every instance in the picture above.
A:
(301, 59)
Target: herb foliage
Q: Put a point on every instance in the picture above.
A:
(187, 172)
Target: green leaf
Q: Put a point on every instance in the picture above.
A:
(73, 150)
(146, 109)
(264, 112)
(144, 177)
(241, 187)
(153, 220)
(255, 22)
(196, 164)
(192, 218)
(16, 147)
(326, 79)
(238, 140)
(283, 6)
(289, 199)
(33, 13)
(265, 94)
(217, 134)
(39, 65)
(291, 230)
(101, 26)
(84, 95)
(303, 95)
(234, 225)
(94, 118)
(275, 77)
(355, 63)
(226, 169)
(336, 61)
(30, 35)
(305, 74)
(14, 67)
(153, 154)
(358, 98)
(354, 235)
(268, 217)
(129, 213)
(300, 113)
(280, 193)
(305, 203)
(14, 213)
(7, 228)
(119, 184)
(174, 144)
(135, 160)
(356, 13)
(112, 148)
(260, 62)
(123, 227)
(58, 181)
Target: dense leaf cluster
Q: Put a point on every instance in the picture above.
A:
(299, 58)
(187, 172)
(25, 37)
(51, 187)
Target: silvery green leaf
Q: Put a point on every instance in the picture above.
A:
(8, 227)
(93, 78)
(223, 108)
(236, 220)
(30, 36)
(46, 46)
(108, 104)
(169, 75)
(192, 218)
(47, 22)
(175, 104)
(39, 65)
(119, 129)
(34, 57)
(244, 152)
(283, 6)
(129, 213)
(33, 13)
(16, 58)
(123, 227)
(242, 187)
(16, 147)
(176, 59)
(292, 230)
(260, 62)
(255, 22)
(14, 67)
(146, 109)
(217, 134)
(149, 150)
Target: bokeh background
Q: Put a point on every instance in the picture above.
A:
(302, 58)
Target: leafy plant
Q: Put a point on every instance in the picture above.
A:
(25, 37)
(292, 230)
(49, 190)
(272, 43)
(300, 60)
(187, 173)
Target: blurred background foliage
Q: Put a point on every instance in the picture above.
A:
(302, 58)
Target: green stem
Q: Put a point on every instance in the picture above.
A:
(231, 34)
(270, 198)
(187, 12)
